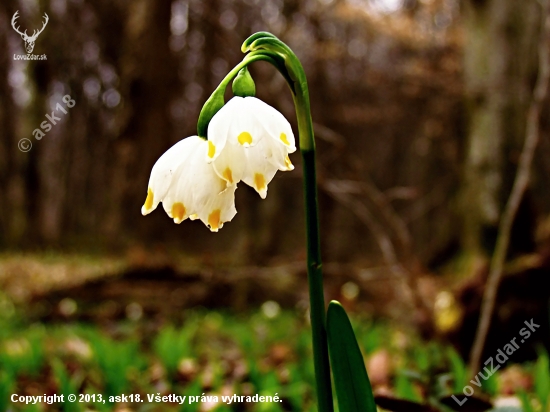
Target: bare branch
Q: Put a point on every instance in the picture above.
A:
(523, 176)
(342, 191)
(389, 213)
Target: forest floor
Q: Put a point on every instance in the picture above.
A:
(100, 327)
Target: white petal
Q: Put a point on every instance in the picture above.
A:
(178, 203)
(220, 126)
(230, 164)
(198, 192)
(251, 127)
(179, 200)
(163, 172)
(213, 201)
(259, 171)
(273, 122)
(218, 208)
(237, 123)
(277, 155)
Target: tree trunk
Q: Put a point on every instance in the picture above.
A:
(500, 68)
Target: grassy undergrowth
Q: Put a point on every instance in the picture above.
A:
(215, 354)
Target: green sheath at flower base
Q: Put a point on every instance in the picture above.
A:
(212, 106)
(243, 85)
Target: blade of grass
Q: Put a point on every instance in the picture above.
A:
(542, 379)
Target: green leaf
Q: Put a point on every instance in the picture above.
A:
(405, 389)
(7, 384)
(542, 378)
(350, 375)
(490, 385)
(526, 402)
(459, 370)
(66, 385)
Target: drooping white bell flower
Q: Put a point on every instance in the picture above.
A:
(189, 187)
(249, 140)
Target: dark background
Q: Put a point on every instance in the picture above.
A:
(419, 109)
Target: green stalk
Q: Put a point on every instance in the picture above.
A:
(296, 78)
(267, 47)
(315, 281)
(314, 263)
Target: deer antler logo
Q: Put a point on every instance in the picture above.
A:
(29, 40)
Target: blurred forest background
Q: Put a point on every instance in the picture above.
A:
(422, 103)
(420, 111)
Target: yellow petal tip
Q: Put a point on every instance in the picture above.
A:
(178, 212)
(245, 139)
(260, 183)
(288, 163)
(284, 139)
(148, 205)
(214, 220)
(228, 175)
(211, 149)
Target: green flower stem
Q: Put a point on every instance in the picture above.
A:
(265, 46)
(296, 78)
(315, 280)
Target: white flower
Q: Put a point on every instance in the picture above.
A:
(188, 186)
(249, 140)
